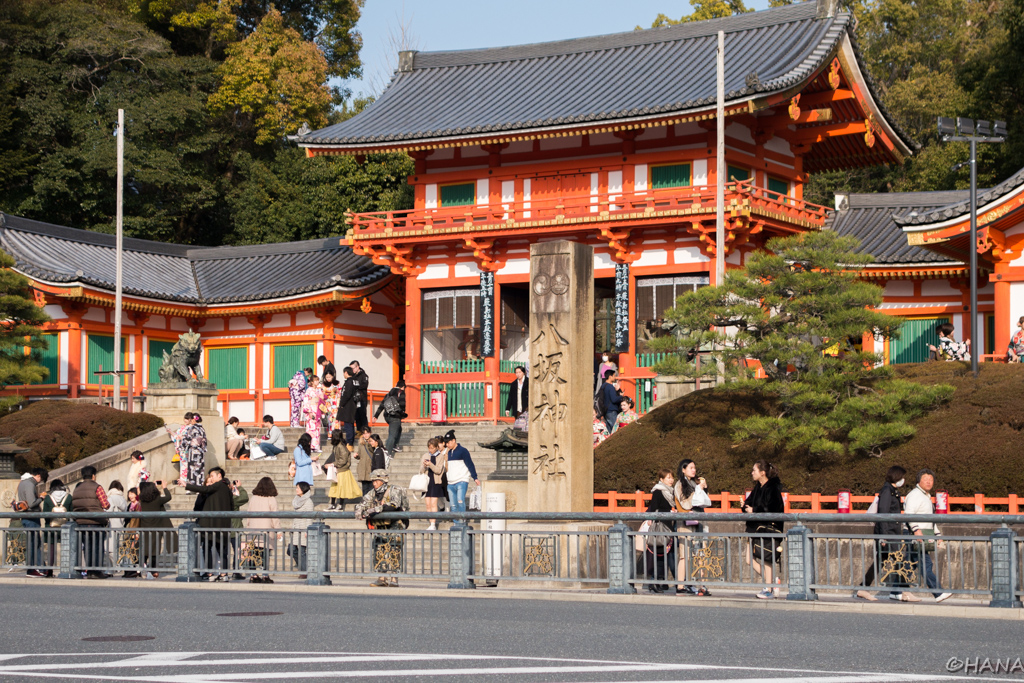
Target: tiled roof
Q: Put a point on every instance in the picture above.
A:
(869, 218)
(651, 72)
(174, 272)
(961, 205)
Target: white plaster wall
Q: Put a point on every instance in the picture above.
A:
(376, 362)
(689, 255)
(280, 410)
(778, 145)
(279, 320)
(938, 288)
(179, 324)
(1016, 305)
(603, 261)
(251, 361)
(652, 257)
(434, 271)
(156, 322)
(640, 178)
(96, 314)
(213, 325)
(738, 131)
(899, 288)
(700, 172)
(382, 335)
(430, 196)
(519, 266)
(306, 318)
(266, 367)
(558, 143)
(467, 269)
(245, 411)
(734, 257)
(349, 317)
(54, 311)
(62, 371)
(240, 324)
(483, 192)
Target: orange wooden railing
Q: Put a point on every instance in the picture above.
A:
(652, 202)
(613, 501)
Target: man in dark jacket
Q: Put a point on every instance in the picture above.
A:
(89, 496)
(611, 399)
(394, 413)
(518, 394)
(362, 384)
(347, 404)
(213, 541)
(28, 494)
(326, 368)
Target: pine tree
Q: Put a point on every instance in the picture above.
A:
(20, 329)
(799, 311)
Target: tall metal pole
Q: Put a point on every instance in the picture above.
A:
(720, 176)
(973, 246)
(120, 236)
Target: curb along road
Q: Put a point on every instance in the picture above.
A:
(832, 604)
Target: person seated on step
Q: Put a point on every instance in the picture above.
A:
(272, 444)
(233, 442)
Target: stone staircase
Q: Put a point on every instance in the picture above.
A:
(405, 464)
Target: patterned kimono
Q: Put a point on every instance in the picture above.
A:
(193, 455)
(297, 388)
(312, 404)
(332, 397)
(387, 547)
(1017, 344)
(179, 439)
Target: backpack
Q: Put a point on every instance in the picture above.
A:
(59, 507)
(599, 400)
(391, 405)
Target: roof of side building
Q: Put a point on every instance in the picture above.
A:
(175, 272)
(870, 218)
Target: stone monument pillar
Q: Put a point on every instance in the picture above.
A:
(561, 454)
(182, 389)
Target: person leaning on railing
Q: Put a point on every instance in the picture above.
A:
(765, 551)
(158, 531)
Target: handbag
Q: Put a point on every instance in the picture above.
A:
(419, 482)
(929, 545)
(656, 535)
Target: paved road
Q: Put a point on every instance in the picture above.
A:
(395, 638)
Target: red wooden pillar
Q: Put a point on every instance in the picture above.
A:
(1002, 309)
(413, 341)
(258, 397)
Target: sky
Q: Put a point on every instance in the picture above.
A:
(467, 24)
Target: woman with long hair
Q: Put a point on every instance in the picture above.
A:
(435, 466)
(691, 495)
(658, 549)
(345, 485)
(765, 549)
(157, 533)
(379, 461)
(303, 458)
(255, 550)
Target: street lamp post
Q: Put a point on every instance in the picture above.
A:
(969, 130)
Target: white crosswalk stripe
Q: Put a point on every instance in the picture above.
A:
(230, 667)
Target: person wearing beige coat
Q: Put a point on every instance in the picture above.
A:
(254, 550)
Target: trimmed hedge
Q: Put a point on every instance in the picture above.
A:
(972, 442)
(62, 432)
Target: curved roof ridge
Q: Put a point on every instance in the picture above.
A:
(694, 29)
(904, 199)
(960, 207)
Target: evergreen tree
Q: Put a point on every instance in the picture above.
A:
(20, 330)
(800, 312)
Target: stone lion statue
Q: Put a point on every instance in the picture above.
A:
(183, 360)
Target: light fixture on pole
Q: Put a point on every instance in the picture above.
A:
(969, 130)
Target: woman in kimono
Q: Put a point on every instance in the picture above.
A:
(312, 409)
(193, 453)
(297, 388)
(332, 397)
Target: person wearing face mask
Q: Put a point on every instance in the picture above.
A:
(606, 364)
(888, 504)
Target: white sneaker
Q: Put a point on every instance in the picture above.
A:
(432, 528)
(944, 596)
(904, 597)
(766, 594)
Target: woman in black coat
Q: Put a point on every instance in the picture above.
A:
(888, 504)
(659, 550)
(347, 404)
(765, 551)
(155, 533)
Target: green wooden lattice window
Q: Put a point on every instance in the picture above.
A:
(101, 353)
(677, 175)
(915, 336)
(736, 173)
(228, 368)
(156, 357)
(458, 195)
(777, 185)
(290, 358)
(49, 358)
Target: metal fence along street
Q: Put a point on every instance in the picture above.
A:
(617, 552)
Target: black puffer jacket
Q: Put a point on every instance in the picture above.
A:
(766, 498)
(888, 504)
